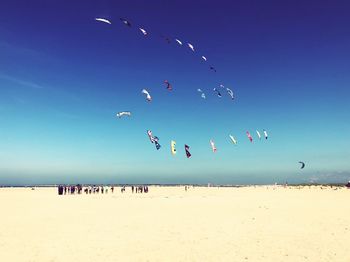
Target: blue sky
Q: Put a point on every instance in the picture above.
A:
(63, 76)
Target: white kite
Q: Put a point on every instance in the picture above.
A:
(202, 94)
(258, 133)
(233, 139)
(265, 134)
(123, 113)
(212, 144)
(173, 147)
(179, 42)
(204, 58)
(103, 20)
(230, 93)
(143, 31)
(190, 46)
(148, 96)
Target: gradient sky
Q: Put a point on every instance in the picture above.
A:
(63, 76)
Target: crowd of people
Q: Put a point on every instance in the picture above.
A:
(79, 189)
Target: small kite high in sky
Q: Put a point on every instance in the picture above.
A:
(156, 139)
(202, 93)
(233, 140)
(125, 22)
(187, 148)
(173, 147)
(103, 20)
(143, 31)
(230, 93)
(168, 85)
(148, 96)
(153, 139)
(217, 92)
(178, 41)
(265, 133)
(150, 136)
(190, 46)
(302, 164)
(212, 68)
(258, 133)
(123, 113)
(167, 39)
(204, 58)
(212, 144)
(249, 136)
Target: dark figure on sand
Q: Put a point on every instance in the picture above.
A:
(60, 190)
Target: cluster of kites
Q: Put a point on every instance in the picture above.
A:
(218, 91)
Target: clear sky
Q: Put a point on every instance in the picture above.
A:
(64, 76)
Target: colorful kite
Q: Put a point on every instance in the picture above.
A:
(188, 154)
(212, 144)
(173, 147)
(250, 137)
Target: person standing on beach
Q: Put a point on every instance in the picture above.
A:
(132, 189)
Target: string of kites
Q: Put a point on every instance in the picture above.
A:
(146, 33)
(169, 87)
(154, 139)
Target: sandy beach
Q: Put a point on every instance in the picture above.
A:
(170, 224)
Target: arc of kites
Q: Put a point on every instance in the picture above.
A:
(145, 33)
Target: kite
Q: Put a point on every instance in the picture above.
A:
(250, 137)
(212, 68)
(213, 146)
(156, 139)
(302, 164)
(230, 93)
(178, 41)
(149, 133)
(143, 31)
(221, 85)
(258, 133)
(167, 39)
(204, 58)
(153, 139)
(173, 147)
(217, 91)
(103, 20)
(125, 22)
(202, 94)
(233, 140)
(265, 134)
(123, 113)
(168, 85)
(148, 96)
(190, 46)
(188, 154)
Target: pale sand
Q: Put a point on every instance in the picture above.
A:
(169, 224)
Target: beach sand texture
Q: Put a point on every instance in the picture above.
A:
(170, 224)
